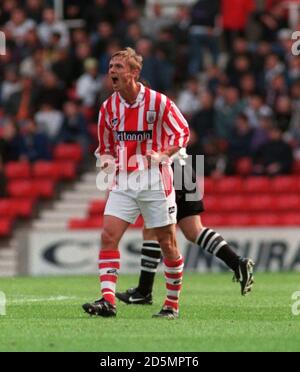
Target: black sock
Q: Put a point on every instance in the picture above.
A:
(151, 254)
(212, 242)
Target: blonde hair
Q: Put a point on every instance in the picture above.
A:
(130, 56)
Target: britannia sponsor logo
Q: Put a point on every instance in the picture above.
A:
(138, 136)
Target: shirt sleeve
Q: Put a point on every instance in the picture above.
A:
(105, 135)
(175, 125)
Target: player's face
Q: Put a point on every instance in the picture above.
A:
(120, 74)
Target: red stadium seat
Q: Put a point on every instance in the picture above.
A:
(68, 151)
(209, 185)
(17, 169)
(31, 189)
(45, 188)
(23, 207)
(6, 209)
(288, 202)
(85, 223)
(286, 184)
(267, 219)
(232, 203)
(228, 185)
(257, 185)
(214, 219)
(290, 219)
(260, 202)
(96, 207)
(211, 203)
(46, 169)
(66, 169)
(5, 227)
(22, 188)
(239, 219)
(96, 223)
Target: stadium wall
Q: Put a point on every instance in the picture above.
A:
(64, 253)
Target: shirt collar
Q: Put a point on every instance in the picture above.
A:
(138, 99)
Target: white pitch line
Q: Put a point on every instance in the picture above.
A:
(40, 299)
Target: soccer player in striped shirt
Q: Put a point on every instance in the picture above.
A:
(138, 126)
(189, 221)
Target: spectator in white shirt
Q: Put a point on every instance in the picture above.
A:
(19, 25)
(188, 99)
(49, 121)
(51, 25)
(89, 84)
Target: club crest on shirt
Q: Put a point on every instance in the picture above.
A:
(150, 116)
(114, 122)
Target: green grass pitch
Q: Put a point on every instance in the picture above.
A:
(44, 314)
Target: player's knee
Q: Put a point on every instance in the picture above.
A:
(168, 243)
(149, 234)
(108, 239)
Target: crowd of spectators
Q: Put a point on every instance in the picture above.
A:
(239, 89)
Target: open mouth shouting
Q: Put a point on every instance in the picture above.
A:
(115, 80)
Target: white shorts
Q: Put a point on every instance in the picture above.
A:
(149, 193)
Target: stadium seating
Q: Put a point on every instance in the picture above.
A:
(27, 183)
(96, 222)
(286, 184)
(6, 209)
(16, 207)
(47, 170)
(232, 202)
(68, 151)
(66, 169)
(86, 223)
(5, 227)
(257, 185)
(32, 189)
(228, 185)
(259, 203)
(96, 208)
(17, 169)
(55, 171)
(23, 207)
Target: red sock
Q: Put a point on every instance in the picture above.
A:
(109, 265)
(173, 275)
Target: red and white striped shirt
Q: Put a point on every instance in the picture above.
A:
(128, 132)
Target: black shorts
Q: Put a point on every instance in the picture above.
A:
(186, 208)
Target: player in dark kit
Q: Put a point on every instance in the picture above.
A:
(189, 221)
